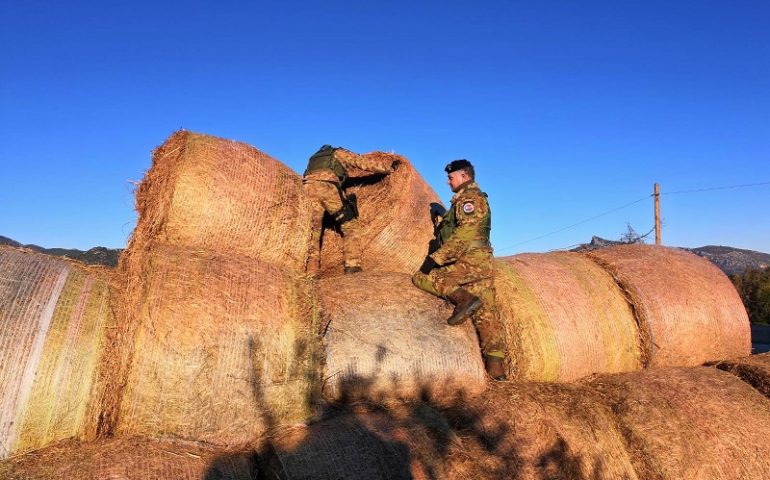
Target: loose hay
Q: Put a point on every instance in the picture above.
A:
(130, 459)
(53, 317)
(688, 310)
(385, 338)
(223, 348)
(690, 423)
(204, 192)
(394, 219)
(565, 318)
(754, 370)
(534, 431)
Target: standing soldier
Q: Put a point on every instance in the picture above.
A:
(460, 269)
(323, 180)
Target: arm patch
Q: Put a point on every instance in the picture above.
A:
(468, 207)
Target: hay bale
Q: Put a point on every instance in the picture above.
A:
(394, 220)
(690, 423)
(386, 338)
(223, 348)
(53, 318)
(754, 370)
(204, 192)
(688, 310)
(565, 318)
(534, 431)
(130, 459)
(395, 444)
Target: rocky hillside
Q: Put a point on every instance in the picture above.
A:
(94, 256)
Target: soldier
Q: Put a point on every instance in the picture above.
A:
(460, 268)
(323, 180)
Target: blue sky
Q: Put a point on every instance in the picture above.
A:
(567, 109)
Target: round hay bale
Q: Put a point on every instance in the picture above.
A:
(395, 444)
(394, 221)
(385, 338)
(534, 431)
(687, 309)
(130, 459)
(690, 423)
(223, 349)
(754, 370)
(204, 192)
(53, 318)
(565, 318)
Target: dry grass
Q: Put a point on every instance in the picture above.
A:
(204, 192)
(565, 318)
(223, 348)
(754, 370)
(695, 423)
(395, 223)
(130, 459)
(688, 310)
(53, 317)
(385, 338)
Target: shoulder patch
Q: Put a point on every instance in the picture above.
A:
(468, 207)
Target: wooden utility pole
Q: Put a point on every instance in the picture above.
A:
(657, 213)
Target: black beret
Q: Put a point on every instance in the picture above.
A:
(457, 165)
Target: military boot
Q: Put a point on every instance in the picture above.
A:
(349, 270)
(466, 304)
(495, 367)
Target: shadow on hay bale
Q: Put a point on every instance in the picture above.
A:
(381, 331)
(688, 311)
(53, 317)
(754, 370)
(565, 318)
(132, 458)
(394, 221)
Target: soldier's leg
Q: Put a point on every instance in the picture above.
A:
(316, 228)
(440, 281)
(490, 330)
(351, 243)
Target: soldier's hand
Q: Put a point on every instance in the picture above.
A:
(428, 265)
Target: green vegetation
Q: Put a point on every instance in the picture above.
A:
(754, 288)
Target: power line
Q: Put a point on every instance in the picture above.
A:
(728, 187)
(578, 223)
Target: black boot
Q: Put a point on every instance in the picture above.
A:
(465, 304)
(353, 269)
(495, 367)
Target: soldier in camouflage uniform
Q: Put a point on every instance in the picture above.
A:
(460, 270)
(323, 181)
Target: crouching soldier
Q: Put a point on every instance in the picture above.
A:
(323, 181)
(460, 268)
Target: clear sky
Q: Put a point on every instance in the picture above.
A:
(568, 109)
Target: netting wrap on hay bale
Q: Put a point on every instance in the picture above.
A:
(130, 459)
(53, 317)
(696, 423)
(565, 318)
(394, 221)
(688, 310)
(754, 370)
(223, 348)
(534, 431)
(386, 338)
(204, 192)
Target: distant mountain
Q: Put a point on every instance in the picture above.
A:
(729, 259)
(94, 256)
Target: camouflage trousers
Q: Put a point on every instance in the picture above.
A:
(326, 197)
(479, 281)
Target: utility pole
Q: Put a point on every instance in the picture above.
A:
(657, 213)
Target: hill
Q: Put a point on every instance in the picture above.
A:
(94, 256)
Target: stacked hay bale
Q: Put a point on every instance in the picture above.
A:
(565, 318)
(130, 459)
(384, 338)
(394, 218)
(754, 370)
(53, 317)
(687, 309)
(690, 423)
(217, 336)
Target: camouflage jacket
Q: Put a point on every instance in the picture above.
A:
(350, 160)
(472, 224)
